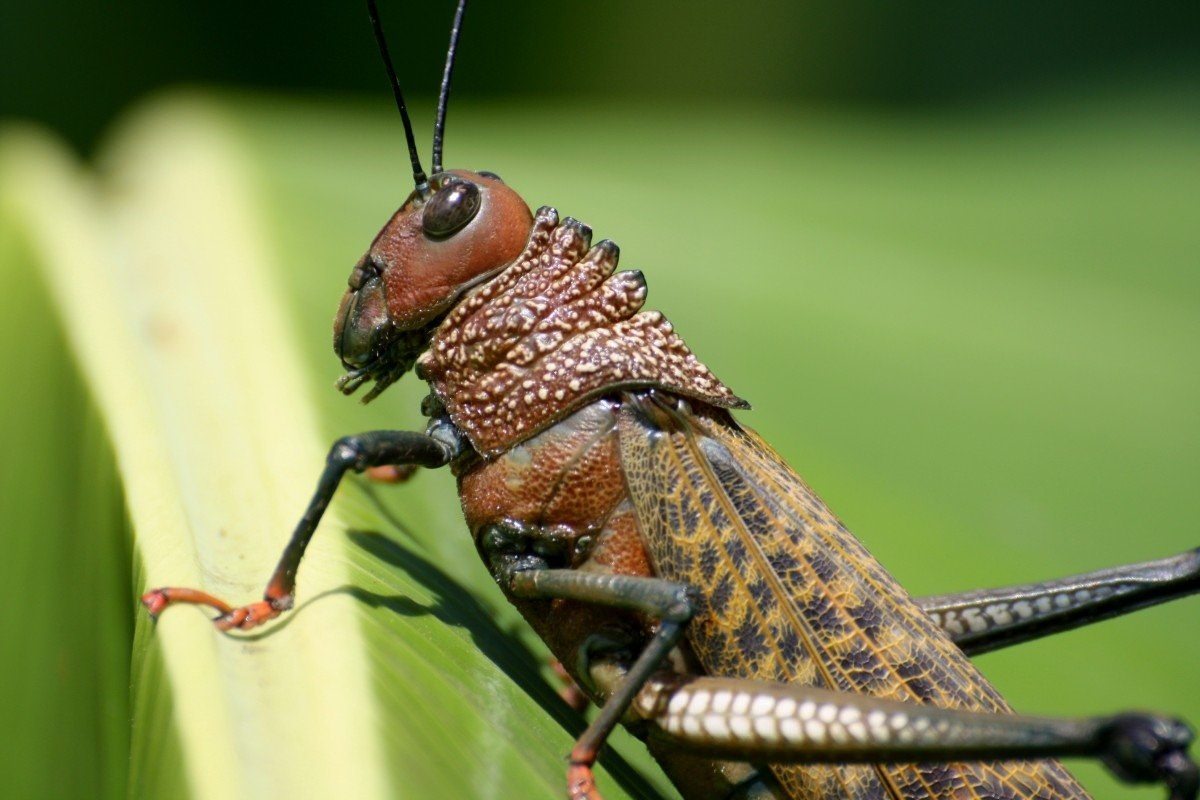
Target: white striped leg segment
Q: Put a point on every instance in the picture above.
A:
(987, 619)
(786, 722)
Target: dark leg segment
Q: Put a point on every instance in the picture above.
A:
(790, 723)
(356, 453)
(665, 600)
(989, 619)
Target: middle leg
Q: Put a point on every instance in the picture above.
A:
(664, 600)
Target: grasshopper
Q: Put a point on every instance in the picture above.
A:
(685, 576)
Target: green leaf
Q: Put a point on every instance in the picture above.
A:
(390, 677)
(973, 333)
(65, 611)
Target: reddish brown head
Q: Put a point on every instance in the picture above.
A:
(456, 230)
(426, 257)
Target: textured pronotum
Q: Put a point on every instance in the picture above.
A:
(555, 328)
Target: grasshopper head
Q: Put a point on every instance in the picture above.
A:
(457, 229)
(440, 243)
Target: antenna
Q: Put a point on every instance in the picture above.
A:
(439, 127)
(419, 178)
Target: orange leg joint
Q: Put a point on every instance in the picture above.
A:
(228, 618)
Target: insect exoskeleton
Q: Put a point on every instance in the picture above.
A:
(436, 247)
(675, 564)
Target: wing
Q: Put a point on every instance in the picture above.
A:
(792, 596)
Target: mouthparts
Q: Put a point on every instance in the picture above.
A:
(395, 360)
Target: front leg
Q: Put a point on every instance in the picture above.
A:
(775, 722)
(989, 619)
(357, 453)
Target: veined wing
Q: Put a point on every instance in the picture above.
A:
(790, 595)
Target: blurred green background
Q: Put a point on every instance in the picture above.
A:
(950, 253)
(75, 65)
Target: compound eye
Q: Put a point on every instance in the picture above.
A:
(451, 208)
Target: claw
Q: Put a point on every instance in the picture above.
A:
(581, 783)
(1180, 774)
(1143, 748)
(155, 601)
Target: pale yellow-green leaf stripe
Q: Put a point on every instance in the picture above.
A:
(394, 677)
(189, 361)
(972, 332)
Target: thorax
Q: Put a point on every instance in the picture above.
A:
(563, 492)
